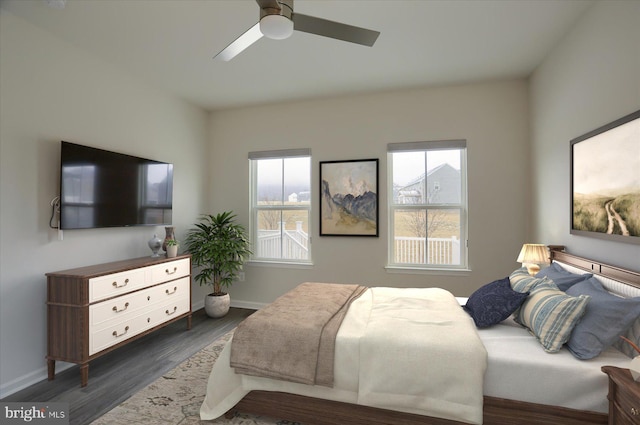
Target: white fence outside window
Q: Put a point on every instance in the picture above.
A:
(294, 245)
(440, 251)
(283, 243)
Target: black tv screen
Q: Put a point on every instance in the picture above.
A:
(99, 188)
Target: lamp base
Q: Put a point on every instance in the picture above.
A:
(533, 269)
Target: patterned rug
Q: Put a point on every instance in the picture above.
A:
(175, 398)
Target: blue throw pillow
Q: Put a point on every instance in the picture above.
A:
(493, 303)
(606, 318)
(562, 278)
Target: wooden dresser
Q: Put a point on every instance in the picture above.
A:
(624, 397)
(96, 309)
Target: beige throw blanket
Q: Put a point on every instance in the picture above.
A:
(293, 338)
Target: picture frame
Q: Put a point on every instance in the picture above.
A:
(349, 198)
(605, 188)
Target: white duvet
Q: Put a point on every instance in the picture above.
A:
(413, 350)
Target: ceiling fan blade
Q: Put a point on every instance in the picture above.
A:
(250, 36)
(333, 29)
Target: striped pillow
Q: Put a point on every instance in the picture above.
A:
(522, 281)
(551, 315)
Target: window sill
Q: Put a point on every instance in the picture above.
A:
(279, 264)
(434, 272)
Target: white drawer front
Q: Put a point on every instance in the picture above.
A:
(153, 316)
(169, 310)
(117, 333)
(116, 310)
(116, 284)
(169, 271)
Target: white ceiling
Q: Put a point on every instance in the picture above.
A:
(170, 44)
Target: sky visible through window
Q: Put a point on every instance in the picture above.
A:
(408, 166)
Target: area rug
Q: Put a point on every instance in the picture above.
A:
(175, 398)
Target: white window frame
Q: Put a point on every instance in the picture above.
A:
(462, 207)
(254, 208)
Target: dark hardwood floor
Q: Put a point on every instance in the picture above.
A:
(118, 375)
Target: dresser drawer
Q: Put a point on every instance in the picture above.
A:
(169, 310)
(154, 315)
(170, 271)
(116, 310)
(116, 284)
(116, 333)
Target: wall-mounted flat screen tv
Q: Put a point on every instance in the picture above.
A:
(100, 188)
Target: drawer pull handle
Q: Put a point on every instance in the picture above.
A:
(169, 313)
(175, 269)
(635, 412)
(115, 308)
(116, 334)
(175, 289)
(115, 284)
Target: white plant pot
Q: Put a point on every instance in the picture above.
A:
(217, 305)
(172, 251)
(634, 367)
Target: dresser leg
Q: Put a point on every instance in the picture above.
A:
(189, 322)
(51, 369)
(84, 374)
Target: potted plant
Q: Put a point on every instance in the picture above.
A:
(172, 248)
(218, 246)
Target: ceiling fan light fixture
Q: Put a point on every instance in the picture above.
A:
(277, 27)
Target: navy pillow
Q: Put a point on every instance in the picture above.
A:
(493, 303)
(562, 278)
(605, 319)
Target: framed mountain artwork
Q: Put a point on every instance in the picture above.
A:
(349, 198)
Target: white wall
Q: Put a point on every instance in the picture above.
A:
(590, 79)
(52, 92)
(493, 117)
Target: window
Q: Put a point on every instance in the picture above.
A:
(281, 205)
(428, 205)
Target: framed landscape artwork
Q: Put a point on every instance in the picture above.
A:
(605, 181)
(349, 198)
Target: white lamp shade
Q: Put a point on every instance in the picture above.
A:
(277, 27)
(533, 253)
(634, 368)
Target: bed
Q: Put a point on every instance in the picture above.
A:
(523, 384)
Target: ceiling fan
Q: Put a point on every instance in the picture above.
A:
(278, 20)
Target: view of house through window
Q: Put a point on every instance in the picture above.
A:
(281, 205)
(428, 204)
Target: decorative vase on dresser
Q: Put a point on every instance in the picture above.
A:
(169, 234)
(96, 309)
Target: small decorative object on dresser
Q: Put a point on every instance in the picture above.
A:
(96, 309)
(624, 397)
(219, 246)
(169, 234)
(634, 367)
(155, 243)
(172, 248)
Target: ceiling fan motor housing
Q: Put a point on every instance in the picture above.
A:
(277, 22)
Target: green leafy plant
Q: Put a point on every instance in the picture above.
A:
(172, 242)
(219, 246)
